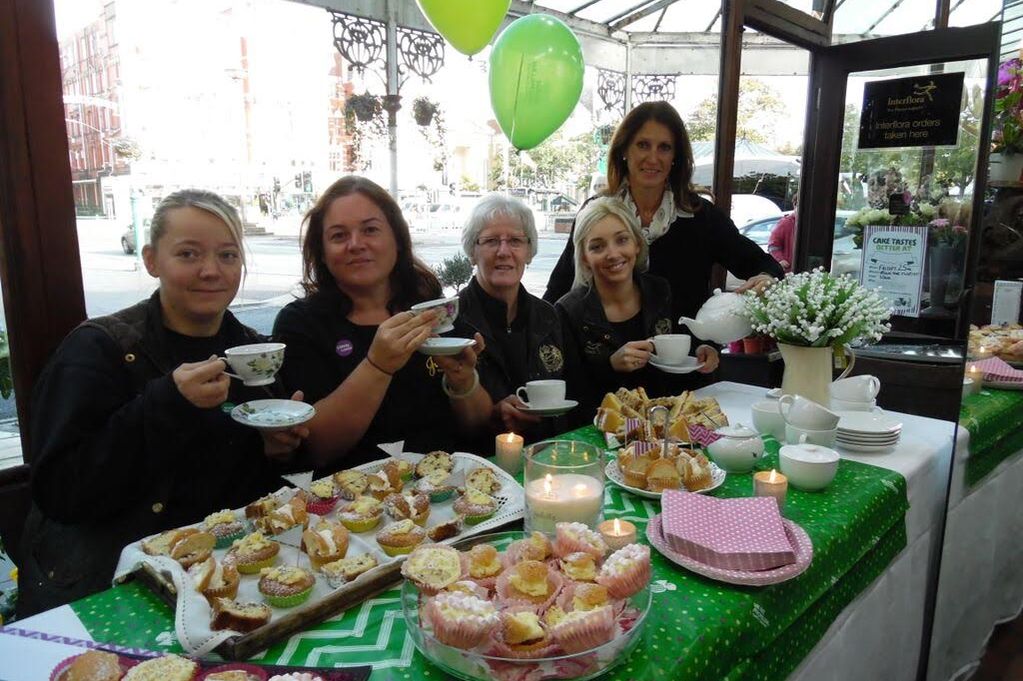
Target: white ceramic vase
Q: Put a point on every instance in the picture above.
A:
(808, 371)
(1005, 167)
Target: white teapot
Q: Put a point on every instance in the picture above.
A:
(737, 449)
(722, 319)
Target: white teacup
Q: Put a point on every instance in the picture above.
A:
(255, 364)
(852, 405)
(794, 435)
(671, 348)
(767, 418)
(856, 389)
(447, 309)
(803, 413)
(542, 394)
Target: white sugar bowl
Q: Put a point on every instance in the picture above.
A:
(808, 467)
(737, 449)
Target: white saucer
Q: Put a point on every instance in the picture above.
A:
(445, 346)
(867, 423)
(273, 414)
(688, 366)
(550, 410)
(1002, 385)
(864, 449)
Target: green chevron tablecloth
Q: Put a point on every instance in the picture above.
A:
(995, 421)
(696, 628)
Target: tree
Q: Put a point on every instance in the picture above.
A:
(454, 271)
(760, 106)
(559, 163)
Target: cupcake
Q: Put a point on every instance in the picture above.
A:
(225, 526)
(432, 568)
(325, 543)
(166, 668)
(522, 635)
(460, 620)
(243, 617)
(484, 479)
(626, 571)
(469, 587)
(534, 547)
(475, 506)
(215, 580)
(162, 544)
(435, 462)
(385, 482)
(405, 469)
(261, 507)
(583, 596)
(351, 484)
(194, 548)
(581, 630)
(285, 516)
(445, 530)
(235, 672)
(340, 572)
(484, 565)
(92, 665)
(414, 507)
(438, 485)
(573, 537)
(634, 471)
(579, 566)
(529, 583)
(694, 470)
(323, 496)
(663, 475)
(286, 586)
(361, 515)
(252, 553)
(400, 537)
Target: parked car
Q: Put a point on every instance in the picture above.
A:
(747, 208)
(128, 238)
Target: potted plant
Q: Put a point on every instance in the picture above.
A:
(604, 133)
(946, 238)
(423, 109)
(1007, 138)
(365, 106)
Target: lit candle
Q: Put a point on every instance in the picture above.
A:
(508, 448)
(974, 372)
(770, 484)
(983, 352)
(970, 386)
(563, 498)
(617, 533)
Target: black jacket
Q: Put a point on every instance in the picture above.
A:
(590, 340)
(684, 256)
(119, 453)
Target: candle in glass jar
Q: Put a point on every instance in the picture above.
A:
(984, 352)
(563, 498)
(508, 449)
(770, 484)
(973, 371)
(617, 533)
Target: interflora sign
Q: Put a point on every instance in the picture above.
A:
(922, 111)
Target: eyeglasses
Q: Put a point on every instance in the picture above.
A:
(492, 243)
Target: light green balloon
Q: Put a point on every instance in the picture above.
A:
(467, 24)
(536, 77)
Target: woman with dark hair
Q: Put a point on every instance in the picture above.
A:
(650, 168)
(352, 340)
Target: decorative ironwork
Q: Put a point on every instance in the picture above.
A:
(360, 41)
(653, 87)
(611, 88)
(421, 53)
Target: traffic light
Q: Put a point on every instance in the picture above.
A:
(277, 186)
(298, 180)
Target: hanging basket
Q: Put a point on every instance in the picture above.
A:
(423, 111)
(366, 107)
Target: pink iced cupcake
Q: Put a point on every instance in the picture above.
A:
(323, 496)
(579, 566)
(573, 537)
(460, 620)
(626, 572)
(529, 583)
(535, 547)
(522, 635)
(581, 630)
(470, 588)
(584, 596)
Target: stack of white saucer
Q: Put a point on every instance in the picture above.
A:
(868, 432)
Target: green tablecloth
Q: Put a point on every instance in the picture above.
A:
(995, 421)
(696, 628)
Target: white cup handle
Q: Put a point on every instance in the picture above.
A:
(875, 386)
(228, 366)
(785, 400)
(518, 395)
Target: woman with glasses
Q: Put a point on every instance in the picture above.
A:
(521, 332)
(352, 340)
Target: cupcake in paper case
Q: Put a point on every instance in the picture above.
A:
(235, 671)
(579, 566)
(94, 665)
(484, 565)
(362, 514)
(522, 635)
(460, 620)
(469, 587)
(484, 479)
(437, 485)
(529, 583)
(433, 568)
(534, 547)
(578, 596)
(252, 553)
(214, 579)
(346, 570)
(626, 571)
(435, 462)
(351, 484)
(414, 506)
(286, 516)
(445, 530)
(385, 482)
(581, 630)
(325, 543)
(475, 506)
(286, 586)
(574, 537)
(400, 538)
(225, 526)
(243, 617)
(323, 497)
(166, 668)
(405, 469)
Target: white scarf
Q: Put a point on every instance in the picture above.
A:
(665, 215)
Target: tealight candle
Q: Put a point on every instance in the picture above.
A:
(617, 533)
(771, 484)
(983, 352)
(975, 373)
(970, 387)
(508, 449)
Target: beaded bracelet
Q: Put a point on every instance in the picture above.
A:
(462, 395)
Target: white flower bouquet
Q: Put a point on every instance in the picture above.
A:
(816, 309)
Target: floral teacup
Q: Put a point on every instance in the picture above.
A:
(447, 309)
(255, 364)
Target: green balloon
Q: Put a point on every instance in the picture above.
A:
(536, 77)
(467, 24)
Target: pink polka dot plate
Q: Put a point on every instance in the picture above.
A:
(796, 534)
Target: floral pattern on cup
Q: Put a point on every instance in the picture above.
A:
(448, 308)
(255, 364)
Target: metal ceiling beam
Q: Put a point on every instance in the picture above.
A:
(634, 15)
(787, 23)
(717, 15)
(895, 6)
(660, 19)
(583, 6)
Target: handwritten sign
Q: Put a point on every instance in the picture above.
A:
(893, 260)
(922, 111)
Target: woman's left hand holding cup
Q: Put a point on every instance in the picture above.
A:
(398, 337)
(709, 357)
(459, 368)
(280, 445)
